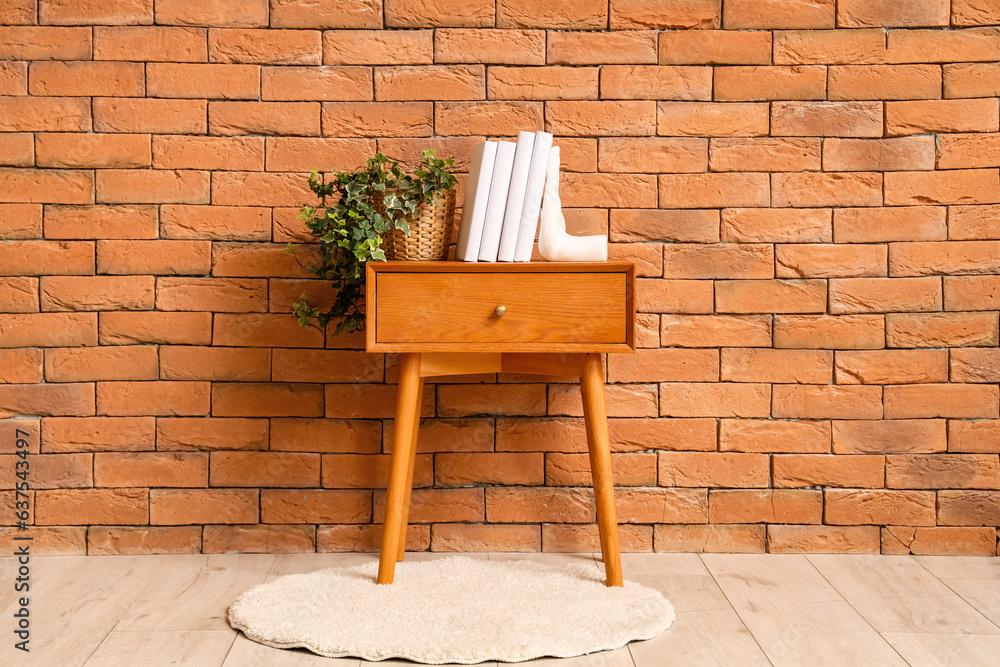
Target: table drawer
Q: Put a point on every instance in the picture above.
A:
(545, 310)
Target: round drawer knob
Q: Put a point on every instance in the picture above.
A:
(500, 311)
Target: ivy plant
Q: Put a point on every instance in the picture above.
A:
(367, 203)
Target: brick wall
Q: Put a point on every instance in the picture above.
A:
(809, 189)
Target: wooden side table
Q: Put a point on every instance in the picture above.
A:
(454, 318)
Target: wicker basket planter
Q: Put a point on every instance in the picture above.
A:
(430, 232)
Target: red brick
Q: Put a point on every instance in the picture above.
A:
(865, 225)
(583, 538)
(121, 541)
(971, 293)
(776, 225)
(626, 435)
(623, 400)
(153, 257)
(448, 435)
(980, 436)
(713, 190)
(962, 151)
(858, 507)
(755, 435)
(242, 188)
(17, 150)
(179, 152)
(974, 12)
(368, 538)
(701, 469)
(444, 13)
(361, 471)
(215, 13)
(674, 296)
(892, 367)
(662, 505)
(822, 539)
(766, 365)
(557, 14)
(829, 261)
(941, 540)
(465, 400)
(44, 114)
(326, 14)
(444, 505)
(574, 469)
(885, 13)
(664, 225)
(827, 119)
(263, 330)
(215, 363)
(655, 82)
(797, 82)
(770, 296)
(715, 538)
(216, 222)
(966, 186)
(19, 295)
(86, 364)
(921, 117)
(766, 154)
(13, 79)
(718, 261)
(203, 81)
(52, 471)
(317, 83)
(281, 118)
(274, 47)
(256, 259)
(96, 293)
(326, 366)
(395, 119)
(968, 508)
(167, 328)
(708, 119)
(971, 80)
(243, 399)
(48, 257)
(87, 79)
(489, 468)
(210, 433)
(975, 365)
(631, 14)
(715, 400)
(327, 435)
(270, 469)
(150, 115)
(83, 12)
(906, 46)
(952, 257)
(767, 506)
(885, 82)
(45, 43)
(504, 47)
(260, 539)
(440, 82)
(795, 470)
(798, 401)
(21, 366)
(829, 47)
(889, 436)
(770, 14)
(90, 506)
(961, 401)
(151, 43)
(880, 295)
(600, 190)
(636, 47)
(95, 434)
(381, 47)
(541, 83)
(178, 507)
(900, 154)
(942, 330)
(92, 150)
(653, 155)
(159, 398)
(19, 12)
(488, 538)
(49, 329)
(592, 118)
(714, 330)
(942, 471)
(126, 186)
(714, 47)
(826, 189)
(56, 186)
(151, 469)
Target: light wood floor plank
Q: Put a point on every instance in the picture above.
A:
(788, 578)
(961, 567)
(983, 595)
(703, 638)
(247, 653)
(618, 658)
(194, 592)
(925, 650)
(197, 649)
(305, 563)
(858, 577)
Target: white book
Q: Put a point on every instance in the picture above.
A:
(515, 196)
(533, 197)
(498, 201)
(477, 194)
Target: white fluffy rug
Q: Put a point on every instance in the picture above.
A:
(457, 609)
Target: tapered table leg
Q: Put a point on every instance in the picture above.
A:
(409, 475)
(595, 414)
(407, 411)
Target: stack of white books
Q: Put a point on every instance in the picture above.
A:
(503, 199)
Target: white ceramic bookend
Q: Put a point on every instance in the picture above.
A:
(554, 244)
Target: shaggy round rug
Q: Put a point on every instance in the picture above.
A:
(457, 609)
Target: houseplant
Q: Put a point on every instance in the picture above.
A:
(375, 203)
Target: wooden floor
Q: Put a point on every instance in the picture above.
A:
(731, 610)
